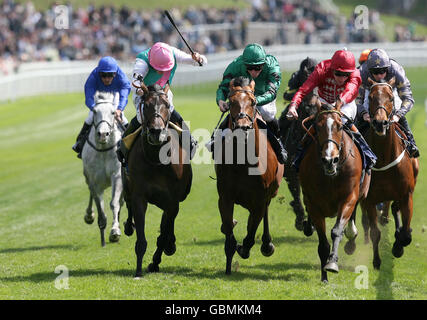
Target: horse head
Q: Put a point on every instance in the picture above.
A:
(242, 103)
(103, 116)
(156, 114)
(329, 136)
(381, 105)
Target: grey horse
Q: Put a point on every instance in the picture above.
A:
(101, 167)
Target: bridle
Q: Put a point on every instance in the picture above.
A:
(339, 145)
(242, 115)
(389, 115)
(96, 125)
(156, 113)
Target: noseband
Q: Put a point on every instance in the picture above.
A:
(156, 113)
(339, 145)
(242, 115)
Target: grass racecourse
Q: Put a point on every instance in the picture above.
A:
(43, 197)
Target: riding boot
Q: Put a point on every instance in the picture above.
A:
(176, 118)
(210, 144)
(122, 151)
(411, 146)
(370, 157)
(81, 138)
(273, 135)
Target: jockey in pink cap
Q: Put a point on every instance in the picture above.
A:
(157, 65)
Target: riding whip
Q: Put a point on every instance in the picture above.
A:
(176, 28)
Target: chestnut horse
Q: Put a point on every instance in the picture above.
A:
(330, 176)
(249, 183)
(395, 173)
(153, 178)
(291, 134)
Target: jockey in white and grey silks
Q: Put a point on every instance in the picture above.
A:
(106, 77)
(380, 68)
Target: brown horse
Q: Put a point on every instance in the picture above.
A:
(395, 173)
(249, 183)
(154, 178)
(291, 132)
(330, 176)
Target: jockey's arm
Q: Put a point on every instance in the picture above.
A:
(183, 57)
(140, 70)
(90, 89)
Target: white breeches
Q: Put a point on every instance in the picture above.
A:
(268, 111)
(140, 106)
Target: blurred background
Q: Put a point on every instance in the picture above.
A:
(41, 40)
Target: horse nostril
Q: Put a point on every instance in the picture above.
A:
(335, 160)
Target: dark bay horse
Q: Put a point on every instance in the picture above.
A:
(154, 177)
(291, 133)
(395, 173)
(251, 183)
(330, 176)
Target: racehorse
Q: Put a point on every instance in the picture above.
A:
(330, 176)
(251, 184)
(395, 173)
(291, 134)
(154, 178)
(101, 167)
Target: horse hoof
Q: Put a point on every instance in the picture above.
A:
(115, 235)
(299, 224)
(397, 250)
(331, 267)
(267, 250)
(89, 219)
(350, 247)
(129, 228)
(170, 250)
(153, 268)
(308, 228)
(241, 251)
(377, 263)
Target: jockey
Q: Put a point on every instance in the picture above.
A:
(338, 82)
(107, 77)
(381, 68)
(264, 69)
(157, 65)
(295, 82)
(364, 56)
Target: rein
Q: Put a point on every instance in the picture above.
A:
(242, 115)
(93, 145)
(390, 115)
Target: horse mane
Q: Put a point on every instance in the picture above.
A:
(241, 81)
(326, 107)
(103, 97)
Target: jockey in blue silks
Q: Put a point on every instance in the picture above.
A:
(106, 77)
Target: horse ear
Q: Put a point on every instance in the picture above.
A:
(144, 88)
(252, 85)
(370, 81)
(166, 89)
(392, 82)
(318, 104)
(231, 84)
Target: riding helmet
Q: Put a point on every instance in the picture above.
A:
(378, 59)
(343, 61)
(254, 54)
(107, 64)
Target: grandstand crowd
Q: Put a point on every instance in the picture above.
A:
(27, 34)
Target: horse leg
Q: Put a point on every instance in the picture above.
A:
(254, 220)
(323, 248)
(308, 227)
(351, 234)
(90, 214)
(166, 239)
(296, 204)
(102, 218)
(226, 208)
(375, 233)
(115, 205)
(403, 232)
(267, 247)
(384, 214)
(139, 208)
(365, 225)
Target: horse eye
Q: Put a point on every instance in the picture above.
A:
(112, 112)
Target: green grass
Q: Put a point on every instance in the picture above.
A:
(43, 197)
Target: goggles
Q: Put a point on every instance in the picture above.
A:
(378, 70)
(342, 74)
(107, 74)
(257, 67)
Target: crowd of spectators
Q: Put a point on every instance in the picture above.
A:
(70, 33)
